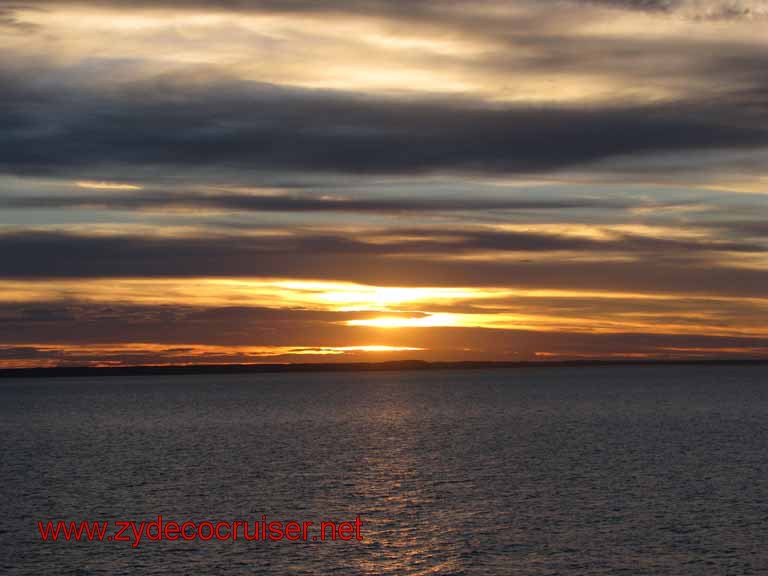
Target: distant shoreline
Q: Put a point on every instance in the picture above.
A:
(180, 369)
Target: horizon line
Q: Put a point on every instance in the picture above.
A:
(386, 366)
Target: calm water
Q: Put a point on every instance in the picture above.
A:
(609, 470)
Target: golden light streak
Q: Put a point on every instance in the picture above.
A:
(604, 232)
(429, 321)
(308, 294)
(346, 297)
(594, 324)
(402, 307)
(92, 185)
(377, 349)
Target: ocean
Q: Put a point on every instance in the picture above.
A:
(606, 470)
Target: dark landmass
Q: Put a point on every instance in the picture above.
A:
(81, 371)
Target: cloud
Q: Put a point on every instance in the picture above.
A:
(699, 9)
(10, 21)
(756, 229)
(652, 265)
(143, 353)
(138, 160)
(444, 345)
(410, 9)
(159, 200)
(247, 126)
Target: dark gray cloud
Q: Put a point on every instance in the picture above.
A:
(245, 126)
(22, 353)
(740, 228)
(720, 9)
(669, 62)
(657, 265)
(10, 21)
(159, 200)
(362, 6)
(699, 9)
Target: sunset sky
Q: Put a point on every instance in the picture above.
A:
(253, 181)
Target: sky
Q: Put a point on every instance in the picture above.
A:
(249, 181)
